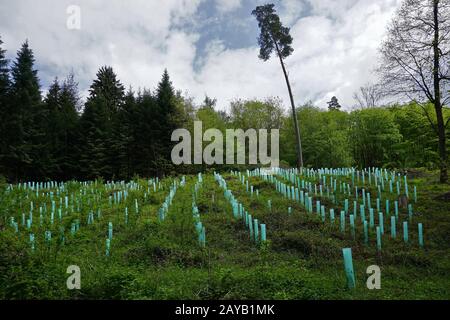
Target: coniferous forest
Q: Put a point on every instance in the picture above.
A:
(93, 205)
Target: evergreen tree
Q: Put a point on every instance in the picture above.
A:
(52, 106)
(167, 118)
(334, 104)
(274, 37)
(127, 125)
(4, 74)
(4, 89)
(23, 120)
(68, 135)
(99, 144)
(148, 135)
(61, 115)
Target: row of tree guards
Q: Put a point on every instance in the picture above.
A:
(300, 193)
(201, 231)
(307, 187)
(256, 230)
(163, 211)
(302, 188)
(55, 206)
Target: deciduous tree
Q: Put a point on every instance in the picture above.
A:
(415, 59)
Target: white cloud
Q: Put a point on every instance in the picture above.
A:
(335, 46)
(136, 38)
(291, 10)
(224, 6)
(335, 53)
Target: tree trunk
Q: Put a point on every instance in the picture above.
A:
(437, 97)
(294, 113)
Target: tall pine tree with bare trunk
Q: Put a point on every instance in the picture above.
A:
(275, 37)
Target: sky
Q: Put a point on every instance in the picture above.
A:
(208, 46)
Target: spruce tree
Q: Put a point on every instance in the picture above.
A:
(165, 96)
(68, 136)
(24, 118)
(99, 144)
(4, 89)
(127, 133)
(4, 73)
(52, 106)
(148, 135)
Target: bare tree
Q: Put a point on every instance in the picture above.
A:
(415, 59)
(369, 96)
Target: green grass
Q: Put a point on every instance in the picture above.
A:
(152, 259)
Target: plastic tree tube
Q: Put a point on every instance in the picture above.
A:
(420, 235)
(378, 239)
(381, 222)
(366, 233)
(263, 233)
(371, 218)
(393, 228)
(352, 225)
(256, 230)
(108, 247)
(110, 231)
(348, 265)
(405, 231)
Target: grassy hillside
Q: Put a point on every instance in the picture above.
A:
(154, 258)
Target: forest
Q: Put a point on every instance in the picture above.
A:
(119, 133)
(358, 207)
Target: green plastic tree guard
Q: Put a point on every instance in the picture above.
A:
(256, 230)
(378, 238)
(366, 232)
(420, 235)
(381, 222)
(371, 218)
(108, 246)
(352, 225)
(348, 265)
(405, 231)
(263, 232)
(110, 230)
(393, 227)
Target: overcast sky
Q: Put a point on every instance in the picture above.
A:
(208, 46)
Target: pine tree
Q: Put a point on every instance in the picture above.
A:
(274, 37)
(4, 90)
(334, 104)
